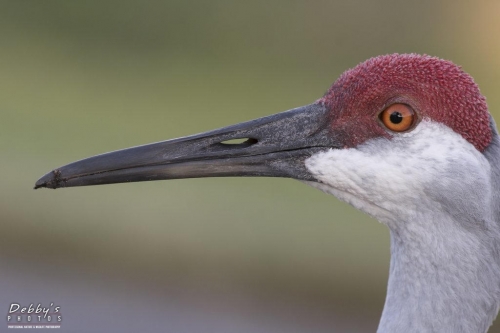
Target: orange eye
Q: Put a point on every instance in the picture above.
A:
(398, 117)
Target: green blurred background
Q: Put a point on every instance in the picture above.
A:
(208, 255)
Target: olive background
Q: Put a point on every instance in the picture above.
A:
(204, 255)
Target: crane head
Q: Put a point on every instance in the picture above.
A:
(395, 129)
(414, 130)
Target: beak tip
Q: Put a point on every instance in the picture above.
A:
(39, 185)
(50, 180)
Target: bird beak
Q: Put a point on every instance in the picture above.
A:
(273, 146)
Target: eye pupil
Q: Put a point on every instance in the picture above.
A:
(396, 117)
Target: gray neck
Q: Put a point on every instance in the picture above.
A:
(445, 273)
(441, 285)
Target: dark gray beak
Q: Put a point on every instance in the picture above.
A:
(273, 146)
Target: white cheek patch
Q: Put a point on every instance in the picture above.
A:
(366, 206)
(389, 178)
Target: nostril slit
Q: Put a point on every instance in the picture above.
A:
(234, 141)
(240, 143)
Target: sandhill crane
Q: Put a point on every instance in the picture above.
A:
(407, 139)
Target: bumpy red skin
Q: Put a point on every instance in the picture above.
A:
(436, 89)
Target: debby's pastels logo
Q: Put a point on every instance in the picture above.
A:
(34, 316)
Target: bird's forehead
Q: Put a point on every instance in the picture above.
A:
(436, 89)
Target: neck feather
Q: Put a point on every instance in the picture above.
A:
(449, 282)
(446, 280)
